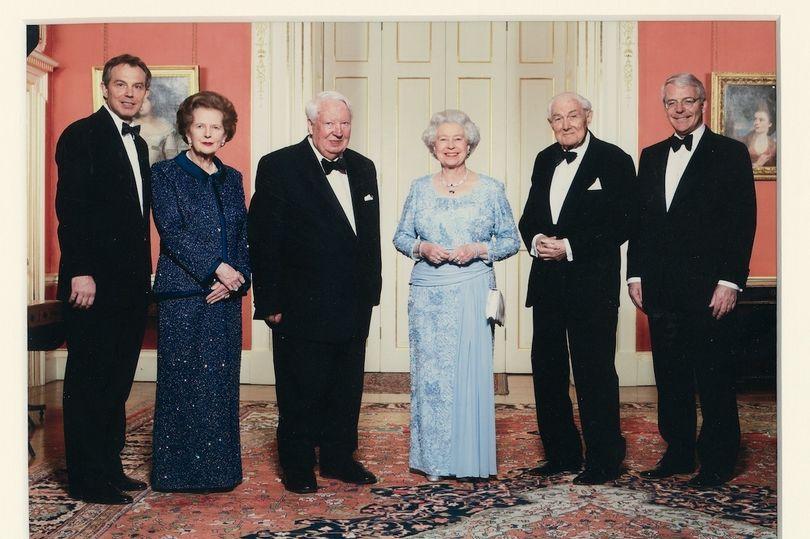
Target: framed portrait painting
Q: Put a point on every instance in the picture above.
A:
(158, 115)
(744, 108)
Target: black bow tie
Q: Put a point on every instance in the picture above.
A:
(568, 156)
(127, 129)
(676, 142)
(338, 164)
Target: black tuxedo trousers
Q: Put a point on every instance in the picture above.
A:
(590, 342)
(319, 386)
(103, 347)
(694, 351)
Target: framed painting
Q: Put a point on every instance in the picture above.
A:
(744, 108)
(158, 115)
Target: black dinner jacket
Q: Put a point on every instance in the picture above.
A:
(596, 222)
(102, 231)
(308, 263)
(707, 234)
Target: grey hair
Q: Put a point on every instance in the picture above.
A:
(583, 102)
(451, 116)
(684, 79)
(314, 105)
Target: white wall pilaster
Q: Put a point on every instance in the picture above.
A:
(38, 66)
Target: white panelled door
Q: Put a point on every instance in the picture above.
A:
(398, 74)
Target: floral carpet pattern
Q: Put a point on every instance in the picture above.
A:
(403, 504)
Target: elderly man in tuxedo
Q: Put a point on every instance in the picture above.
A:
(314, 233)
(577, 215)
(687, 262)
(102, 203)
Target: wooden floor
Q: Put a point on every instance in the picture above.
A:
(48, 443)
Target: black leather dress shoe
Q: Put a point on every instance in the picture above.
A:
(551, 467)
(103, 493)
(127, 483)
(349, 472)
(664, 469)
(707, 480)
(300, 481)
(596, 476)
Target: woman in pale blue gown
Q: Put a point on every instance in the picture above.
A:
(454, 224)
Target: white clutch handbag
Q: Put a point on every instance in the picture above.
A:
(496, 312)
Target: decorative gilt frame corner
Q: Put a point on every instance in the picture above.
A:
(761, 282)
(720, 81)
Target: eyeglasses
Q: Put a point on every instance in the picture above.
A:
(686, 102)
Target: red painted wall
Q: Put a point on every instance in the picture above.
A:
(222, 52)
(702, 48)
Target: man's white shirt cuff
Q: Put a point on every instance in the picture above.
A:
(729, 284)
(568, 254)
(533, 252)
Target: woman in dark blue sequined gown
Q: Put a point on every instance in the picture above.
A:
(202, 274)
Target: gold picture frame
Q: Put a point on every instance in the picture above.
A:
(169, 87)
(744, 108)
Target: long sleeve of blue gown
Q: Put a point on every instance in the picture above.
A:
(406, 236)
(505, 239)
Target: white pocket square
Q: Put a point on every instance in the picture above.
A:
(367, 198)
(595, 186)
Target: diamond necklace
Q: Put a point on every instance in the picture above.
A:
(450, 186)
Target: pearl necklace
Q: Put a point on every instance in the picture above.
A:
(450, 186)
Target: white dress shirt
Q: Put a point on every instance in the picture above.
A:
(132, 153)
(676, 165)
(560, 184)
(339, 183)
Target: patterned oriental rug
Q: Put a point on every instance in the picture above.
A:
(402, 504)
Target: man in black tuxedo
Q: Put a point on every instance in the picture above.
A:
(576, 217)
(690, 255)
(102, 202)
(314, 231)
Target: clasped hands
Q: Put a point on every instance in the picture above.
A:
(228, 280)
(550, 248)
(461, 255)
